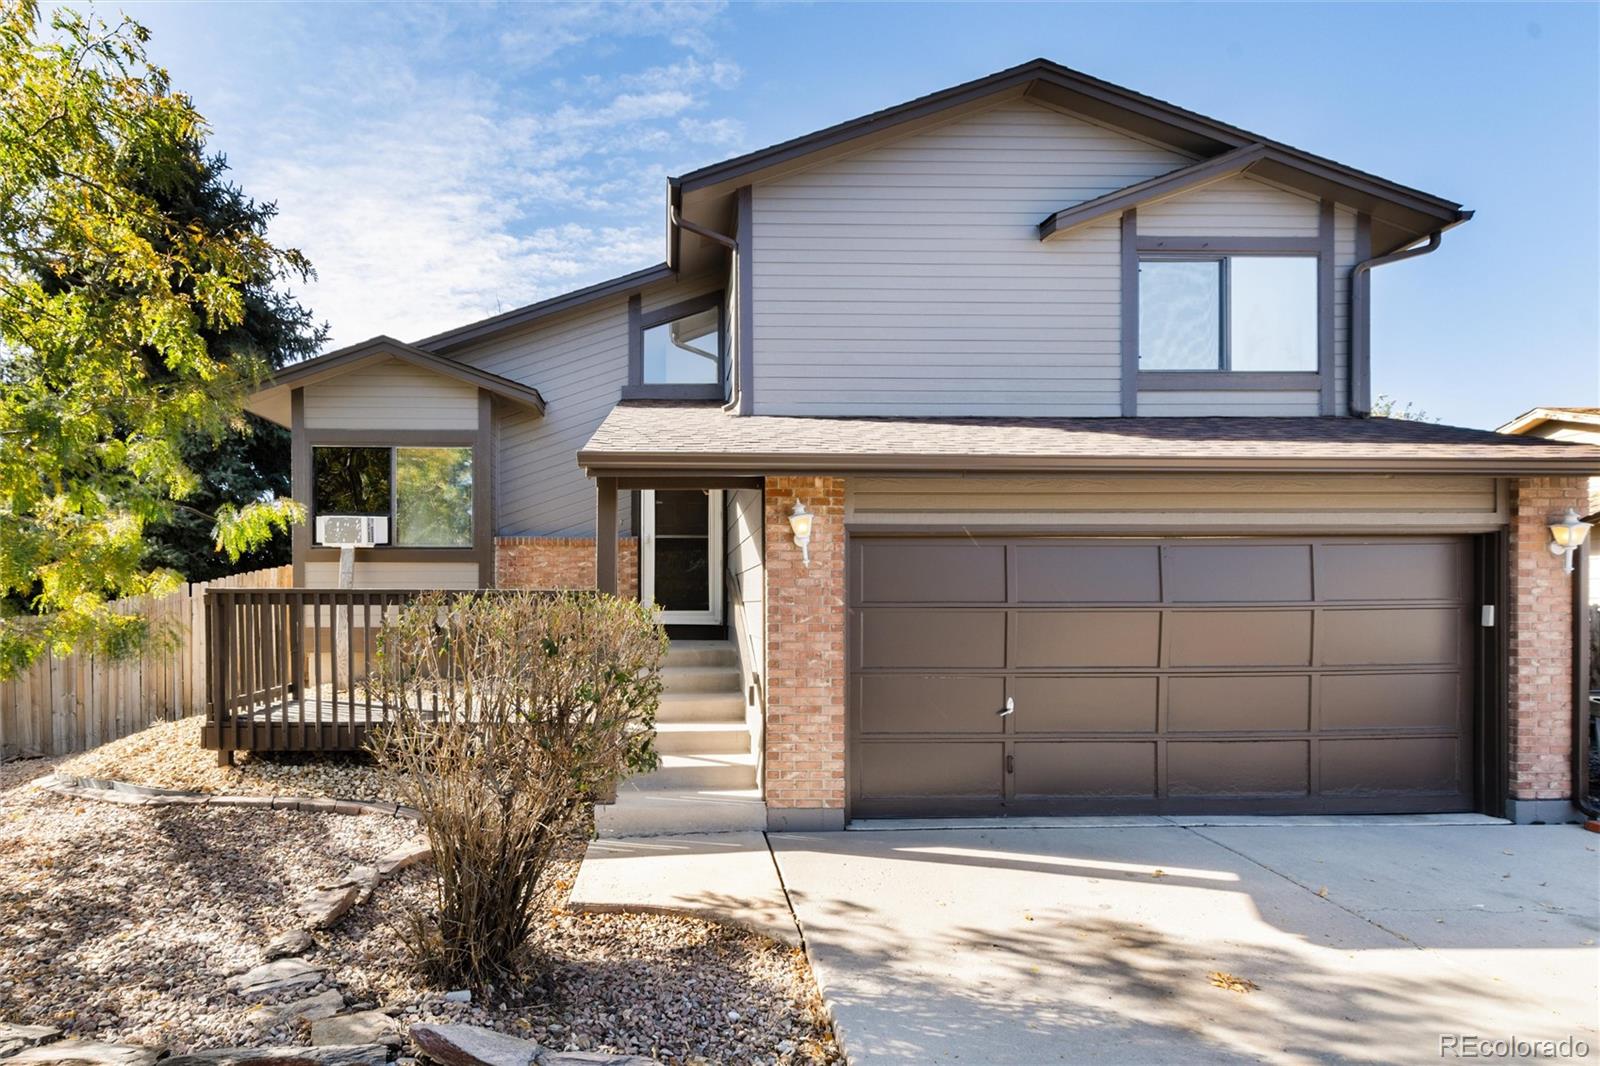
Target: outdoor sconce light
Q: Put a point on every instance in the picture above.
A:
(800, 523)
(1566, 536)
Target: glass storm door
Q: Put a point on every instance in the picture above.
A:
(680, 561)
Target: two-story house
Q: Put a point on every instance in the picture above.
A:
(1003, 452)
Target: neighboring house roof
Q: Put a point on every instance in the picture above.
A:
(1531, 420)
(271, 400)
(643, 437)
(1401, 214)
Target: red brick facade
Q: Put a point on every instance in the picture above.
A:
(805, 762)
(560, 563)
(1541, 713)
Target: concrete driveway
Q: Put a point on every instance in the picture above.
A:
(1361, 942)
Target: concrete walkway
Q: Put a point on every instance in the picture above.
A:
(1365, 942)
(722, 877)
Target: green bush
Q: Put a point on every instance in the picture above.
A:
(543, 703)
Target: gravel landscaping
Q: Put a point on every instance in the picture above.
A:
(168, 755)
(125, 924)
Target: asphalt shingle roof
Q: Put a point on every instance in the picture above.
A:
(662, 435)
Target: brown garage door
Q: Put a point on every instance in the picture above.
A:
(1176, 676)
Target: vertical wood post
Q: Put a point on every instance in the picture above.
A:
(605, 535)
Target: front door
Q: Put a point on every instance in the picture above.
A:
(680, 561)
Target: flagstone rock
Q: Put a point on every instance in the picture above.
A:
(272, 978)
(472, 1045)
(322, 1005)
(325, 905)
(338, 1055)
(84, 1053)
(365, 1027)
(15, 1038)
(286, 944)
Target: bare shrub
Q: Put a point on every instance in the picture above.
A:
(509, 712)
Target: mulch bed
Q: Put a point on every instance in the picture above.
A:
(122, 923)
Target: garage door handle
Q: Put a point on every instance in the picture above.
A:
(1008, 708)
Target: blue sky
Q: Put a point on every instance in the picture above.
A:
(440, 163)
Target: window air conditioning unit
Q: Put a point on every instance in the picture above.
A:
(352, 530)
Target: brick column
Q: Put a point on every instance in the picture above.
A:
(805, 783)
(1541, 711)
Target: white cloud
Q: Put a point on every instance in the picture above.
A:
(430, 193)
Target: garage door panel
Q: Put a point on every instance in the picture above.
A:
(1085, 704)
(952, 770)
(1088, 573)
(1434, 570)
(1240, 638)
(1251, 573)
(934, 572)
(1390, 765)
(1391, 701)
(932, 639)
(1096, 769)
(1149, 675)
(930, 703)
(1238, 769)
(1391, 636)
(1066, 639)
(1239, 704)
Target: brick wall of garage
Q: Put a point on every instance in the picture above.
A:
(561, 563)
(805, 742)
(1540, 632)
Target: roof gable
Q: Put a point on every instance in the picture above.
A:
(271, 399)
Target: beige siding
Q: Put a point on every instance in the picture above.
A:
(747, 590)
(380, 575)
(579, 363)
(1163, 404)
(1181, 501)
(391, 395)
(909, 278)
(1232, 207)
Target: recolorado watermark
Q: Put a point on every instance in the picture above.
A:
(1470, 1046)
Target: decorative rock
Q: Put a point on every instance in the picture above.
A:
(14, 1038)
(340, 1055)
(471, 1045)
(84, 1053)
(402, 858)
(367, 1027)
(270, 978)
(590, 1058)
(325, 905)
(322, 1005)
(285, 944)
(459, 995)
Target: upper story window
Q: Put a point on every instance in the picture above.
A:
(426, 493)
(686, 350)
(1228, 312)
(678, 352)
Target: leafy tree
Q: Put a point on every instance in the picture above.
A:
(250, 463)
(107, 300)
(1386, 406)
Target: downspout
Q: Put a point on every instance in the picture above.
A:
(1581, 797)
(1361, 311)
(723, 239)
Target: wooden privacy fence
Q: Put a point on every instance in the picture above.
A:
(75, 703)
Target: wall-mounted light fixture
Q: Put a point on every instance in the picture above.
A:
(1567, 536)
(800, 524)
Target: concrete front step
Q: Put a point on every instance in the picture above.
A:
(730, 770)
(669, 811)
(702, 738)
(700, 679)
(700, 707)
(701, 653)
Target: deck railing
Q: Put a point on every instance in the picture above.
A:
(289, 667)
